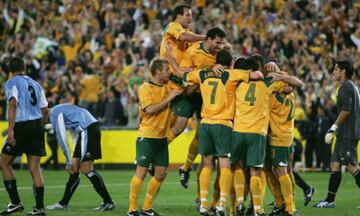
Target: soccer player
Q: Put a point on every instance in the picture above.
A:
(250, 130)
(27, 114)
(198, 56)
(218, 94)
(280, 139)
(346, 128)
(178, 35)
(86, 135)
(151, 145)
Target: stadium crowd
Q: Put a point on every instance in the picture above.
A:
(95, 54)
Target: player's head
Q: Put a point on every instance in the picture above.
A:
(215, 39)
(16, 65)
(251, 64)
(343, 70)
(259, 59)
(183, 15)
(240, 63)
(159, 68)
(224, 58)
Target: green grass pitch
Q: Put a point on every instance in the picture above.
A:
(173, 200)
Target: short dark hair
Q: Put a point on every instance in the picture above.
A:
(259, 59)
(179, 10)
(251, 64)
(16, 65)
(157, 64)
(224, 58)
(215, 32)
(347, 66)
(240, 63)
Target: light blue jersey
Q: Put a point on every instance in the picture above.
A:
(75, 119)
(29, 96)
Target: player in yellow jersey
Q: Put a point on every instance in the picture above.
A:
(250, 130)
(178, 35)
(151, 145)
(218, 94)
(198, 56)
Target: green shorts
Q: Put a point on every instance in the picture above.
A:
(278, 155)
(150, 150)
(292, 148)
(187, 105)
(249, 148)
(215, 139)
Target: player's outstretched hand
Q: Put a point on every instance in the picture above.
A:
(272, 67)
(169, 50)
(10, 137)
(218, 69)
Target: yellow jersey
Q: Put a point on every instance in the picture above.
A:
(171, 35)
(197, 57)
(282, 111)
(218, 93)
(252, 105)
(156, 125)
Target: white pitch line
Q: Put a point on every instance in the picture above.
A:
(88, 185)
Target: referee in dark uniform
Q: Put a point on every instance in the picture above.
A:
(347, 130)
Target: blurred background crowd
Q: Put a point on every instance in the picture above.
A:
(95, 53)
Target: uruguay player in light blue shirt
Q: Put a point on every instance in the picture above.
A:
(86, 135)
(27, 112)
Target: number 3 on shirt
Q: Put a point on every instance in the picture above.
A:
(250, 94)
(213, 92)
(32, 92)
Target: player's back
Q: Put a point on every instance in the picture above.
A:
(252, 105)
(282, 110)
(29, 95)
(76, 118)
(218, 93)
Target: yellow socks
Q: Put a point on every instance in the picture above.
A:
(286, 190)
(192, 154)
(275, 188)
(292, 178)
(135, 189)
(216, 190)
(225, 185)
(263, 182)
(239, 184)
(205, 179)
(152, 190)
(256, 191)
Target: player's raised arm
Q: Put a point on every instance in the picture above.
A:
(291, 80)
(182, 17)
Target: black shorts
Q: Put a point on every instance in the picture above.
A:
(29, 136)
(345, 152)
(89, 142)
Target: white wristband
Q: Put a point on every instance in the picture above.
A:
(334, 127)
